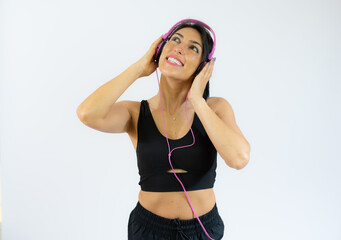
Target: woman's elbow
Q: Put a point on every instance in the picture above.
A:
(242, 161)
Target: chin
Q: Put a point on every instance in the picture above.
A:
(170, 71)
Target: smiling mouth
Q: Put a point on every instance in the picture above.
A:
(174, 61)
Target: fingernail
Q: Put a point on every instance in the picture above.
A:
(209, 63)
(214, 59)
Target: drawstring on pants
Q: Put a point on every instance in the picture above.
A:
(180, 235)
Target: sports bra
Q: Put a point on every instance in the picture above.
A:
(199, 160)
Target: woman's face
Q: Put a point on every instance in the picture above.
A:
(182, 54)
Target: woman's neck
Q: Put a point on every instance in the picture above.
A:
(173, 93)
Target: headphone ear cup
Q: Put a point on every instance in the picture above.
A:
(158, 50)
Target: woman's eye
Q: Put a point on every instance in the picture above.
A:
(195, 49)
(175, 38)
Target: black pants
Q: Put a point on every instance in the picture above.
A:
(145, 225)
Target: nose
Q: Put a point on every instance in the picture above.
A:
(179, 49)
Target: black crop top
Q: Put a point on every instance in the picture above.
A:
(199, 160)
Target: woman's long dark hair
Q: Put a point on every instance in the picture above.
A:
(207, 42)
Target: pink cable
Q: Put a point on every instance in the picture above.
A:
(170, 152)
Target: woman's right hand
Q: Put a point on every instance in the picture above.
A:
(146, 64)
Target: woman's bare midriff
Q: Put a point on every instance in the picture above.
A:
(175, 204)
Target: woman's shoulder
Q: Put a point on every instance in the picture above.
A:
(133, 106)
(222, 108)
(217, 103)
(212, 100)
(216, 99)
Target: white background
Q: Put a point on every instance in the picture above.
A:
(278, 64)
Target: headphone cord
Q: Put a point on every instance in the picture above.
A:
(170, 152)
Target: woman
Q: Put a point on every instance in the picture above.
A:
(162, 210)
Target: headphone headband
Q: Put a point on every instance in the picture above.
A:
(169, 33)
(189, 20)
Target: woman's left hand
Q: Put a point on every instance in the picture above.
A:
(199, 83)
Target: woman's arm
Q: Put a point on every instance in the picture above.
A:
(97, 105)
(219, 122)
(100, 110)
(223, 131)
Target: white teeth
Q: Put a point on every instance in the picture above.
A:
(173, 60)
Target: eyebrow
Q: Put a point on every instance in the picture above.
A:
(190, 40)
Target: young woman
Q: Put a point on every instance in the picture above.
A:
(176, 200)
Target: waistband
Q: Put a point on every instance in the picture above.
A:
(162, 224)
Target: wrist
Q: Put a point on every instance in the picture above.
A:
(137, 69)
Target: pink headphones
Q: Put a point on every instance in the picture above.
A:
(167, 36)
(158, 51)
